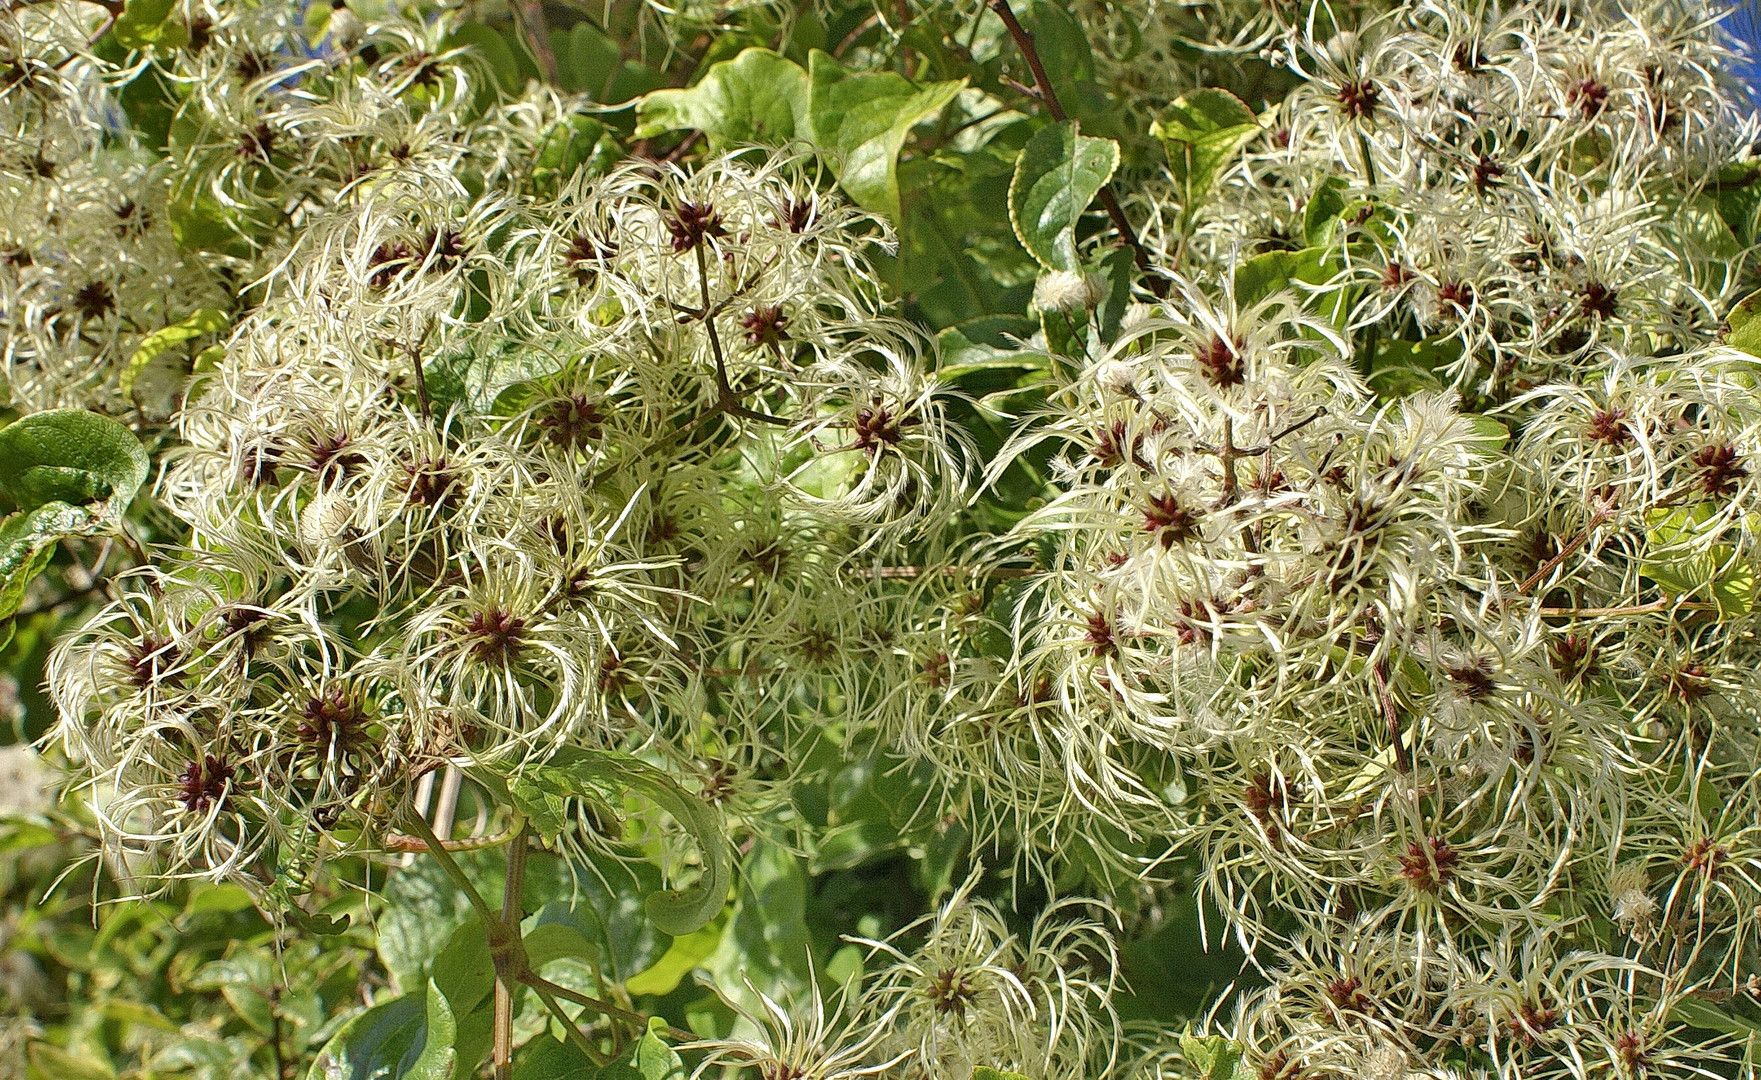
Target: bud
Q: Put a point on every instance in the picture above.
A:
(1117, 377)
(346, 28)
(1633, 906)
(1068, 292)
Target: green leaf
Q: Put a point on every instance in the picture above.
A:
(1682, 563)
(1709, 1017)
(318, 923)
(464, 971)
(27, 543)
(145, 22)
(53, 1061)
(1402, 367)
(861, 122)
(204, 321)
(133, 1012)
(1202, 132)
(17, 835)
(72, 456)
(985, 1072)
(1742, 329)
(1214, 1058)
(1066, 335)
(1490, 433)
(423, 908)
(650, 1059)
(212, 898)
(1058, 174)
(1323, 209)
(1199, 113)
(757, 97)
(588, 774)
(493, 52)
(1118, 270)
(586, 59)
(686, 954)
(551, 1059)
(766, 944)
(1061, 41)
(576, 142)
(407, 1038)
(1263, 275)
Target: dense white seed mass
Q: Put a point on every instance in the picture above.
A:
(1440, 668)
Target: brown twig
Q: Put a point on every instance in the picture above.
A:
(538, 982)
(529, 14)
(861, 28)
(1396, 735)
(397, 841)
(1552, 564)
(510, 959)
(684, 147)
(1043, 83)
(1654, 606)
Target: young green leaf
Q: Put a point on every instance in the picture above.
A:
(1680, 561)
(757, 97)
(649, 1059)
(1214, 1058)
(1742, 328)
(1059, 173)
(204, 321)
(861, 121)
(1263, 275)
(491, 50)
(147, 22)
(1325, 205)
(27, 543)
(1202, 132)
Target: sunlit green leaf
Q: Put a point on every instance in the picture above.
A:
(757, 97)
(1058, 174)
(148, 22)
(406, 1038)
(72, 456)
(204, 321)
(1202, 133)
(861, 122)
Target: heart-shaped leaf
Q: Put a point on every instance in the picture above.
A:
(650, 1059)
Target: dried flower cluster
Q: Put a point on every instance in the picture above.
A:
(1441, 663)
(1408, 592)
